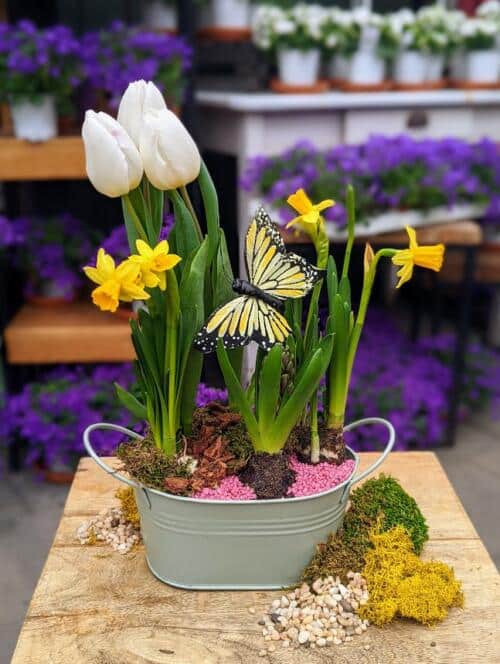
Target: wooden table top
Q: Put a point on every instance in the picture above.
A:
(94, 606)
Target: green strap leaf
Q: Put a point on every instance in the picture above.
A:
(238, 395)
(269, 387)
(211, 205)
(131, 403)
(315, 367)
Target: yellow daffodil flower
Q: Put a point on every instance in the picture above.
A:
(430, 257)
(309, 213)
(115, 283)
(154, 263)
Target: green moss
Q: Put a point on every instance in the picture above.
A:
(148, 464)
(380, 503)
(384, 495)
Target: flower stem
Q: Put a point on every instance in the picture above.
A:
(315, 442)
(189, 204)
(172, 324)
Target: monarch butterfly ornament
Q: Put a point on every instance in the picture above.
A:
(274, 275)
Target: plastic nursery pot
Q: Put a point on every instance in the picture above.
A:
(339, 68)
(34, 121)
(246, 544)
(160, 16)
(410, 68)
(434, 68)
(367, 68)
(296, 67)
(230, 13)
(482, 66)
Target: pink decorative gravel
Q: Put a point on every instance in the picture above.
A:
(310, 479)
(231, 488)
(317, 478)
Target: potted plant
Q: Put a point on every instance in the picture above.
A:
(339, 43)
(114, 57)
(434, 28)
(375, 44)
(49, 415)
(294, 36)
(482, 63)
(39, 71)
(230, 14)
(223, 491)
(51, 256)
(410, 64)
(161, 15)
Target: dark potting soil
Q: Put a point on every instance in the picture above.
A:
(269, 475)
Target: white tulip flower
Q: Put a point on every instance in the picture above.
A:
(169, 154)
(113, 162)
(138, 99)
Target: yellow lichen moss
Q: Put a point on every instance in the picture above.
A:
(91, 538)
(128, 505)
(401, 584)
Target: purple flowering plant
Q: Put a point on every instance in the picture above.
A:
(50, 415)
(387, 172)
(11, 235)
(36, 62)
(115, 57)
(52, 253)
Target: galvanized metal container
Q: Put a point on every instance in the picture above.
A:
(244, 544)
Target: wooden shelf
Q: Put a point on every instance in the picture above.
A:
(60, 158)
(76, 332)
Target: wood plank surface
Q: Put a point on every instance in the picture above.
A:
(74, 332)
(60, 158)
(94, 606)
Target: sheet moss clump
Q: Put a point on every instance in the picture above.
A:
(384, 496)
(400, 584)
(380, 502)
(149, 465)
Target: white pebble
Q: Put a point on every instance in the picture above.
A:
(303, 636)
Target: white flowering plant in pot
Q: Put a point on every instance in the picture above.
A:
(479, 36)
(340, 39)
(375, 43)
(434, 35)
(295, 37)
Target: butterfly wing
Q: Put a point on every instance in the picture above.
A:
(241, 320)
(270, 267)
(270, 326)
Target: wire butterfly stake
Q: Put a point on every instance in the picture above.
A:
(274, 275)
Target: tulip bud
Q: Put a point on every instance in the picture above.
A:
(169, 154)
(113, 162)
(138, 99)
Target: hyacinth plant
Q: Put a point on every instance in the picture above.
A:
(142, 157)
(343, 322)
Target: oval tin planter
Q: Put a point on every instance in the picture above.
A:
(236, 545)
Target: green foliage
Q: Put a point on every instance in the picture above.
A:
(384, 497)
(268, 414)
(168, 367)
(380, 503)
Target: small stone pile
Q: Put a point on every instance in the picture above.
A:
(316, 616)
(110, 526)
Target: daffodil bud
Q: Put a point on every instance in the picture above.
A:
(169, 154)
(113, 162)
(138, 99)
